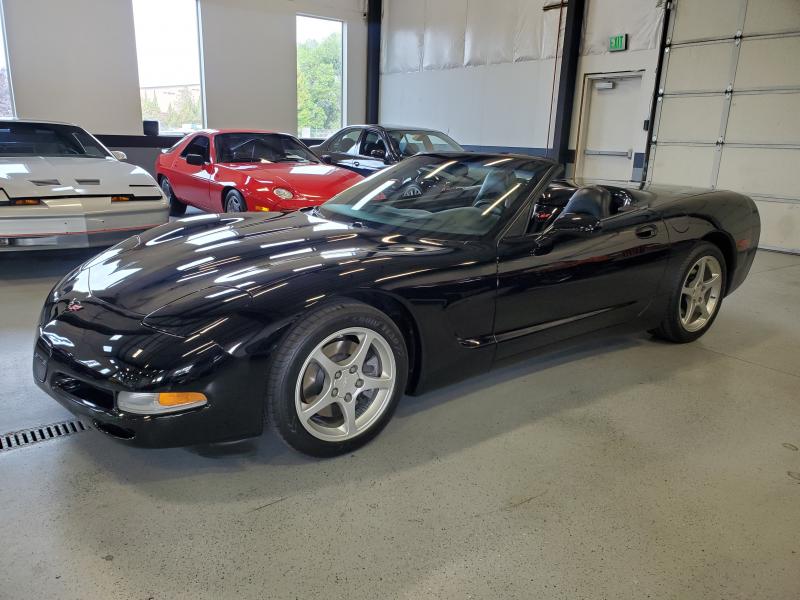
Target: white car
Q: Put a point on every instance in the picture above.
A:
(61, 188)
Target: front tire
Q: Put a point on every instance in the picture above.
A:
(234, 202)
(176, 207)
(337, 380)
(697, 292)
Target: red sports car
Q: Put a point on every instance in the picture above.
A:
(237, 171)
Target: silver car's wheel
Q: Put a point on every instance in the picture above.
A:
(700, 294)
(345, 384)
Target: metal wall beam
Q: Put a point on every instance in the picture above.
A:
(566, 81)
(374, 12)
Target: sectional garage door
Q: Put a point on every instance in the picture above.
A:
(728, 112)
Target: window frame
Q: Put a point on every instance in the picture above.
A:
(4, 32)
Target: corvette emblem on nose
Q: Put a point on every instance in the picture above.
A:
(74, 306)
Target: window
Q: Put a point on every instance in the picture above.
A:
(409, 143)
(198, 145)
(45, 139)
(260, 148)
(168, 52)
(373, 142)
(320, 77)
(345, 142)
(459, 198)
(6, 97)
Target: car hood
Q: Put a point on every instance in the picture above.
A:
(318, 181)
(43, 176)
(251, 252)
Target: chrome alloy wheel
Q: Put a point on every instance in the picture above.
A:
(234, 204)
(345, 384)
(700, 294)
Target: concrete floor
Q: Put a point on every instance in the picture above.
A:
(625, 469)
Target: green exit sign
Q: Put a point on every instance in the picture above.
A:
(617, 43)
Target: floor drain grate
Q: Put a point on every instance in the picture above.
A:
(26, 437)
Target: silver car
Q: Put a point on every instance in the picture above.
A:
(61, 188)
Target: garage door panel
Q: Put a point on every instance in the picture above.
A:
(700, 67)
(780, 222)
(765, 171)
(690, 118)
(772, 16)
(764, 119)
(684, 165)
(768, 62)
(704, 19)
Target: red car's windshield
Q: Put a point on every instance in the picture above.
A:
(243, 147)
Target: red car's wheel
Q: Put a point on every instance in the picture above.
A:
(176, 207)
(234, 202)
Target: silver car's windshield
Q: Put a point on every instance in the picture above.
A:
(44, 139)
(454, 196)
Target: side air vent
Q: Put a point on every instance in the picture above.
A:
(43, 182)
(26, 437)
(87, 181)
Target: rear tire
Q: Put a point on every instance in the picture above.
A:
(698, 287)
(337, 379)
(176, 207)
(234, 202)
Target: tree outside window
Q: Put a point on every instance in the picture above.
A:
(320, 76)
(168, 53)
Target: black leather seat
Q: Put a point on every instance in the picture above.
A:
(592, 200)
(496, 183)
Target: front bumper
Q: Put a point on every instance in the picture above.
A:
(77, 222)
(84, 363)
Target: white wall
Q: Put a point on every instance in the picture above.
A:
(480, 71)
(75, 61)
(484, 71)
(250, 57)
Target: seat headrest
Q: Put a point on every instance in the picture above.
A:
(592, 200)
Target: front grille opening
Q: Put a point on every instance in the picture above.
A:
(26, 437)
(114, 430)
(84, 391)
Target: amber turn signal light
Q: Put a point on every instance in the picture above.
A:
(26, 202)
(120, 198)
(178, 398)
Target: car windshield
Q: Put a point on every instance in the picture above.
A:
(44, 139)
(261, 148)
(441, 195)
(410, 142)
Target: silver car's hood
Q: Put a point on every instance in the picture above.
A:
(43, 176)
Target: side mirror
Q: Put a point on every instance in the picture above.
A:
(119, 155)
(195, 159)
(377, 153)
(326, 158)
(576, 223)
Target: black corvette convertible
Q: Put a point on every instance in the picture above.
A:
(318, 321)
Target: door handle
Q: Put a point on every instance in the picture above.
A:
(646, 231)
(356, 163)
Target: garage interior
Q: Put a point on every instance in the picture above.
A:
(614, 467)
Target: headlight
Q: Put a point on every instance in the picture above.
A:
(283, 193)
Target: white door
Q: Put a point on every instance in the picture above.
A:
(612, 127)
(727, 114)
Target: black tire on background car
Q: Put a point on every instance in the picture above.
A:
(696, 297)
(176, 207)
(234, 202)
(337, 379)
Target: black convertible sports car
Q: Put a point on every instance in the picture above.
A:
(318, 321)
